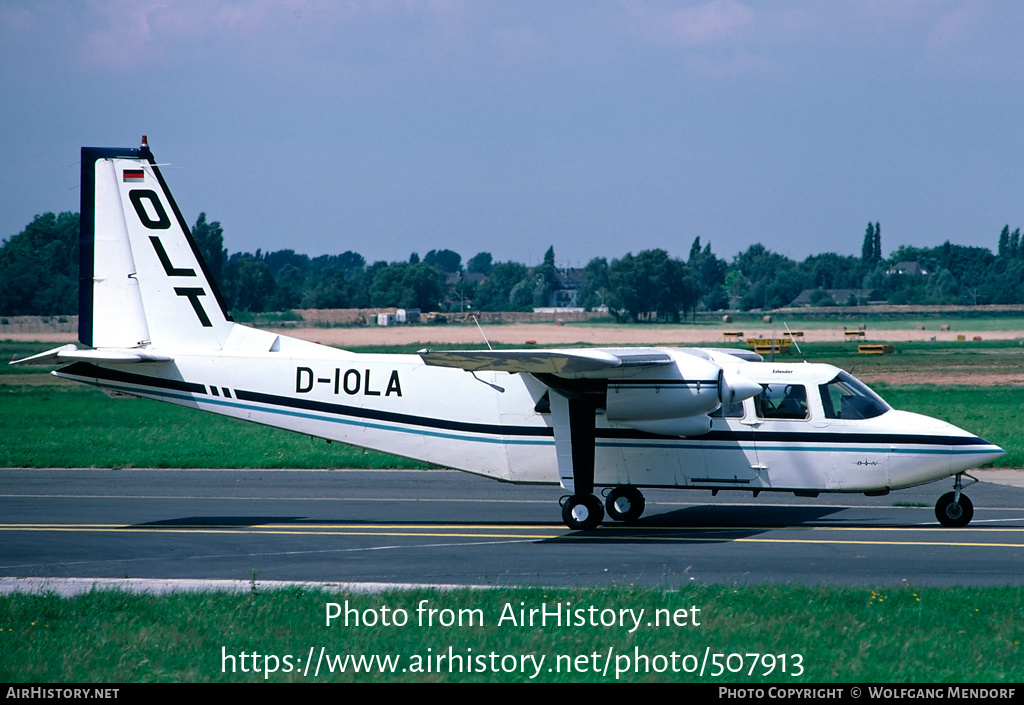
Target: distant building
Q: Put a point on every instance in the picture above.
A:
(908, 269)
(837, 297)
(407, 315)
(570, 281)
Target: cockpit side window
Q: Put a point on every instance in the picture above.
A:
(846, 397)
(782, 401)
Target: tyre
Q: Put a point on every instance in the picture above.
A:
(582, 513)
(624, 503)
(953, 515)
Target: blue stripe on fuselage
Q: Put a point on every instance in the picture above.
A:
(791, 441)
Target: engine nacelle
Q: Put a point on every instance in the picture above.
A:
(661, 400)
(677, 401)
(691, 387)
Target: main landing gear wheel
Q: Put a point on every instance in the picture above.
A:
(953, 514)
(624, 503)
(582, 513)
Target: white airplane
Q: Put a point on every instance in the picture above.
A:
(621, 419)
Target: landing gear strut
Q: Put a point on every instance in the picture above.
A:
(575, 438)
(624, 503)
(954, 509)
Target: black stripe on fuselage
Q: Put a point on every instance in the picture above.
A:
(391, 416)
(663, 383)
(806, 437)
(87, 369)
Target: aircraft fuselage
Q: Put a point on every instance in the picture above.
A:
(396, 404)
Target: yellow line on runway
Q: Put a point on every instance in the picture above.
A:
(320, 533)
(339, 531)
(606, 531)
(523, 527)
(538, 533)
(266, 528)
(635, 528)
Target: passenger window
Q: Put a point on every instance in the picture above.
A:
(782, 401)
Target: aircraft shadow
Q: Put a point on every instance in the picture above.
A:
(707, 524)
(700, 524)
(739, 516)
(240, 521)
(225, 521)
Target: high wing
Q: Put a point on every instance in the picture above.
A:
(693, 367)
(658, 391)
(557, 362)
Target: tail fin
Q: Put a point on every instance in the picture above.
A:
(143, 281)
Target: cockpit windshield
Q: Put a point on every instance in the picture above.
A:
(846, 397)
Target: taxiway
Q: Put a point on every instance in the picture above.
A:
(449, 528)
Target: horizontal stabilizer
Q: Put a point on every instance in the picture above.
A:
(70, 353)
(569, 361)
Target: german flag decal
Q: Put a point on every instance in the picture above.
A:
(134, 175)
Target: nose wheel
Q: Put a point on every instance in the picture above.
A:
(954, 509)
(952, 513)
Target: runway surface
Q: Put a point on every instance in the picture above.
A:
(445, 528)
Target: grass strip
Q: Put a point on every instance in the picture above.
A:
(842, 634)
(62, 426)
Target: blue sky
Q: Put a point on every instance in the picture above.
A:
(598, 127)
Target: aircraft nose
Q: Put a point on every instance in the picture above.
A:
(953, 449)
(972, 452)
(993, 449)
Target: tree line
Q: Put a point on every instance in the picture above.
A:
(39, 276)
